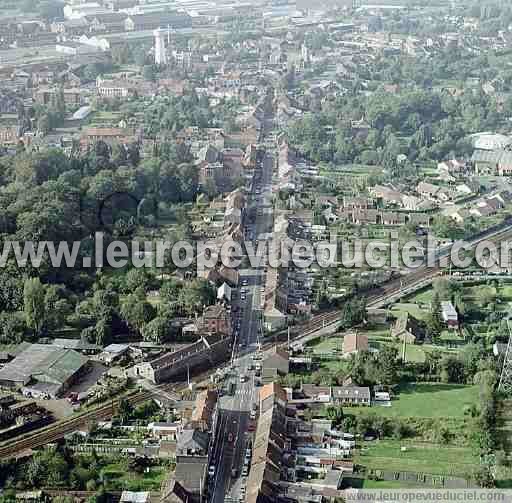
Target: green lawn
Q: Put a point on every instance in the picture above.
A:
(417, 457)
(383, 484)
(505, 292)
(422, 297)
(119, 478)
(412, 309)
(328, 346)
(475, 293)
(335, 366)
(429, 401)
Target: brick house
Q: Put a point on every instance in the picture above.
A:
(216, 320)
(353, 343)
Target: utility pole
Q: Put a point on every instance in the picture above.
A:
(505, 385)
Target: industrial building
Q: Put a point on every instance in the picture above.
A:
(206, 352)
(43, 370)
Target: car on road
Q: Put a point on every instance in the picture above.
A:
(245, 282)
(245, 472)
(243, 378)
(230, 437)
(234, 472)
(211, 471)
(243, 297)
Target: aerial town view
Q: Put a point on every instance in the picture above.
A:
(255, 251)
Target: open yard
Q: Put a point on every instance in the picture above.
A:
(328, 346)
(412, 309)
(429, 401)
(418, 457)
(118, 478)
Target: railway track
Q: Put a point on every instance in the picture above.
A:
(396, 286)
(57, 430)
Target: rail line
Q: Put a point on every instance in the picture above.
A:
(378, 296)
(57, 430)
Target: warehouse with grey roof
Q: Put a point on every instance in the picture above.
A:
(44, 370)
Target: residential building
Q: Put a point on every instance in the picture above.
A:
(351, 395)
(449, 314)
(407, 329)
(110, 23)
(270, 443)
(192, 442)
(205, 409)
(354, 342)
(216, 320)
(116, 88)
(10, 130)
(278, 359)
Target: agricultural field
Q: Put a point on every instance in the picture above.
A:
(417, 457)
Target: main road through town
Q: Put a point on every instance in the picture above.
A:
(227, 472)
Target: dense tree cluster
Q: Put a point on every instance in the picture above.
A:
(47, 196)
(424, 125)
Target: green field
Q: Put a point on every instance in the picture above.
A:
(118, 478)
(417, 457)
(412, 309)
(429, 401)
(327, 346)
(382, 484)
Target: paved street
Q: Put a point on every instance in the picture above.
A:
(230, 450)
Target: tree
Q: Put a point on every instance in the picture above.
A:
(34, 304)
(483, 477)
(137, 311)
(43, 124)
(124, 411)
(433, 322)
(387, 365)
(334, 414)
(157, 330)
(452, 370)
(13, 328)
(138, 278)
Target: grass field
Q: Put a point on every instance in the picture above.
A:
(412, 309)
(417, 457)
(328, 346)
(382, 484)
(429, 401)
(422, 297)
(117, 477)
